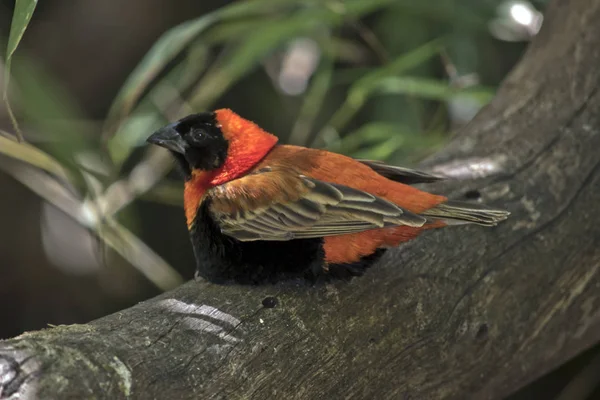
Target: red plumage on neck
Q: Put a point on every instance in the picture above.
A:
(248, 145)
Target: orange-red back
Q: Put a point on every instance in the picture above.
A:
(333, 167)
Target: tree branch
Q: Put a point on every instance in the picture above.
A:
(460, 312)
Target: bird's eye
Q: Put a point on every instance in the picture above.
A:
(196, 136)
(199, 133)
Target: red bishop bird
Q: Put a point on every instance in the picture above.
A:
(258, 211)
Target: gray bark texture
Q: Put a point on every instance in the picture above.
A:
(462, 312)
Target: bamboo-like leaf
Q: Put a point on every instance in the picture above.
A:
(362, 89)
(429, 89)
(369, 134)
(381, 140)
(21, 16)
(163, 52)
(312, 103)
(166, 192)
(47, 106)
(119, 238)
(380, 151)
(170, 45)
(156, 107)
(269, 37)
(33, 156)
(244, 56)
(473, 15)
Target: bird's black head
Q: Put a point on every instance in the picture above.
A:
(196, 141)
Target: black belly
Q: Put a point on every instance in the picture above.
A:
(223, 259)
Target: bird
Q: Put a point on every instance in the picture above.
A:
(258, 211)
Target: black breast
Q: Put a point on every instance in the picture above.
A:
(222, 259)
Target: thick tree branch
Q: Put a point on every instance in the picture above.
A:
(461, 312)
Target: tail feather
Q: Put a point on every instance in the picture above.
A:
(458, 212)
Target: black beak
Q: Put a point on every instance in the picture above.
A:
(168, 138)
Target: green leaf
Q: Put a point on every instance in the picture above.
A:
(380, 151)
(226, 31)
(257, 45)
(47, 106)
(166, 192)
(361, 89)
(160, 97)
(380, 140)
(245, 53)
(31, 155)
(21, 17)
(368, 134)
(170, 45)
(472, 15)
(431, 89)
(365, 86)
(164, 51)
(312, 103)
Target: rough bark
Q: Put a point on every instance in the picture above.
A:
(460, 312)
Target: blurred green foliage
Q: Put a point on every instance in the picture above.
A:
(387, 81)
(21, 17)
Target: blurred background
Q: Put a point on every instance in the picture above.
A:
(91, 217)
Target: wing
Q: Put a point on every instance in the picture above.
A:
(282, 204)
(400, 174)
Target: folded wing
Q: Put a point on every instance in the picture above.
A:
(282, 204)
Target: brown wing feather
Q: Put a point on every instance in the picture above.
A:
(279, 203)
